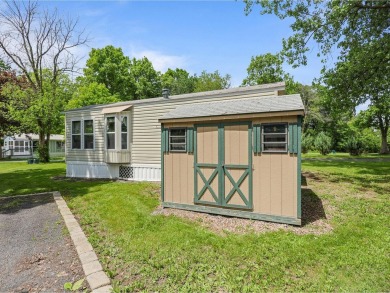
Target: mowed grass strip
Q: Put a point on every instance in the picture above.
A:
(141, 251)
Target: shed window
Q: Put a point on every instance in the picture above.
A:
(76, 134)
(110, 132)
(88, 134)
(124, 136)
(177, 140)
(275, 137)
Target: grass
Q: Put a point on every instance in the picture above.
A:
(155, 253)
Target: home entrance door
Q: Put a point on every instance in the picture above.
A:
(223, 165)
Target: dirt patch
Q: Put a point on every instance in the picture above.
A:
(222, 224)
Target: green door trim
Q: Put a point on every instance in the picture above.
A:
(222, 171)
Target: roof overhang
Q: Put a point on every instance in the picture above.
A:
(250, 107)
(117, 109)
(232, 117)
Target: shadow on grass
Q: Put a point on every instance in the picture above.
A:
(38, 180)
(312, 207)
(366, 175)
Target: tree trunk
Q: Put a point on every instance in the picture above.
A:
(384, 146)
(43, 148)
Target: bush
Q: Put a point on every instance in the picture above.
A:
(323, 143)
(354, 146)
(306, 143)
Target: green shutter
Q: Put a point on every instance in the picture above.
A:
(293, 138)
(164, 140)
(257, 138)
(190, 140)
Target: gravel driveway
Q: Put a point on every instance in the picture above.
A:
(36, 251)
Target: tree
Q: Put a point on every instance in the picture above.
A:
(359, 29)
(91, 94)
(345, 24)
(33, 40)
(40, 111)
(268, 68)
(8, 125)
(178, 81)
(211, 81)
(145, 80)
(356, 79)
(110, 67)
(378, 118)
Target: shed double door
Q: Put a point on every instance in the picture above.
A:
(223, 165)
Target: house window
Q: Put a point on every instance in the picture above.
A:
(275, 137)
(177, 140)
(88, 134)
(76, 134)
(110, 132)
(60, 146)
(124, 135)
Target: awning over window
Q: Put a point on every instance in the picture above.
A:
(116, 109)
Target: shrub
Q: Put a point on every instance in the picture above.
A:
(306, 143)
(323, 143)
(354, 146)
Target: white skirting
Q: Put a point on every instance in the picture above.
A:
(140, 172)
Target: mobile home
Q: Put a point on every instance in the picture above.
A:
(24, 145)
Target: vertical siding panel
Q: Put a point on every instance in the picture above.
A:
(275, 184)
(287, 203)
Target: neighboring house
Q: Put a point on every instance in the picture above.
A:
(24, 145)
(233, 151)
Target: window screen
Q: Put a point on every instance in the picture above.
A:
(76, 134)
(124, 125)
(177, 140)
(88, 134)
(110, 132)
(275, 137)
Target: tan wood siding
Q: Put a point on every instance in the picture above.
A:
(179, 178)
(275, 179)
(274, 174)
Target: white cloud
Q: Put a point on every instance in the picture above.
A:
(160, 61)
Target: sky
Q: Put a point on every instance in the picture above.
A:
(193, 35)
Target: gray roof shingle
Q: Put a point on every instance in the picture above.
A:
(241, 106)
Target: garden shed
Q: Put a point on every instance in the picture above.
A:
(237, 158)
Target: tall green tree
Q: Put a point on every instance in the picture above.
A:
(211, 81)
(178, 81)
(8, 124)
(40, 112)
(268, 68)
(345, 24)
(91, 94)
(39, 42)
(349, 89)
(359, 29)
(109, 66)
(145, 80)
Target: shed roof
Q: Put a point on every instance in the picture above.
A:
(243, 106)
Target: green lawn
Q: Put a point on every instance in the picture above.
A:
(157, 253)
